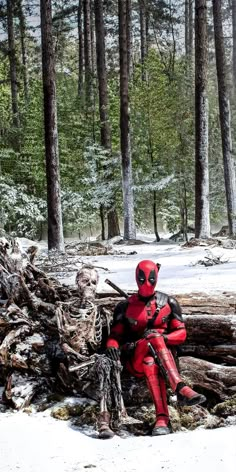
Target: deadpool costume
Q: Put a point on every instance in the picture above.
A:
(145, 326)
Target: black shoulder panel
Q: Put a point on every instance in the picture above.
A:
(176, 311)
(161, 299)
(120, 311)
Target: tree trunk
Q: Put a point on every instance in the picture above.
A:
(155, 216)
(143, 35)
(12, 60)
(202, 216)
(102, 76)
(129, 37)
(101, 210)
(224, 107)
(93, 46)
(23, 49)
(87, 53)
(55, 228)
(191, 3)
(234, 45)
(113, 223)
(184, 213)
(112, 217)
(81, 50)
(129, 225)
(186, 25)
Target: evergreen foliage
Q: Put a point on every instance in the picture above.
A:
(162, 127)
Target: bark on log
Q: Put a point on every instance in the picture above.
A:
(216, 381)
(211, 327)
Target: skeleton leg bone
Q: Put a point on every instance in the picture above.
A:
(124, 418)
(104, 429)
(68, 350)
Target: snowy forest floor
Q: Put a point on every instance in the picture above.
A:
(38, 442)
(43, 444)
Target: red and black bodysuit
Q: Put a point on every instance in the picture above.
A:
(137, 319)
(146, 325)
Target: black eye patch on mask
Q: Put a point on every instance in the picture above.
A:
(141, 277)
(152, 277)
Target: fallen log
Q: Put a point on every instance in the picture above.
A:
(202, 304)
(217, 381)
(211, 327)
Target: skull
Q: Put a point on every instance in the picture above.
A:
(87, 280)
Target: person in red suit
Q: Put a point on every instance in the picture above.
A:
(145, 326)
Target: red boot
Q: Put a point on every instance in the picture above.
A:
(157, 388)
(162, 426)
(185, 394)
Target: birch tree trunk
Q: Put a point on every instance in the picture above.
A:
(55, 228)
(81, 50)
(202, 216)
(129, 225)
(224, 108)
(112, 217)
(12, 61)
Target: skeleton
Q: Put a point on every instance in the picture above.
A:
(80, 330)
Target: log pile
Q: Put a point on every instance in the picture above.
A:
(30, 350)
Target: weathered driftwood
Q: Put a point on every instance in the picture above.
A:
(211, 327)
(218, 381)
(202, 304)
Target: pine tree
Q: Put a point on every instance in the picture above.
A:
(202, 217)
(224, 108)
(112, 217)
(55, 229)
(12, 60)
(129, 225)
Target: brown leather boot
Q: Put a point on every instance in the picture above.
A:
(103, 426)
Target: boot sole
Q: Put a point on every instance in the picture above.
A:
(161, 431)
(196, 400)
(106, 434)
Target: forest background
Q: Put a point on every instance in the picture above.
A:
(149, 152)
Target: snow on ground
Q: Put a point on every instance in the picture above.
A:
(178, 273)
(39, 443)
(43, 444)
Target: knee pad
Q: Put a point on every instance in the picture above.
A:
(149, 366)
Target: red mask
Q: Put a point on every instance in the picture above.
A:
(146, 277)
